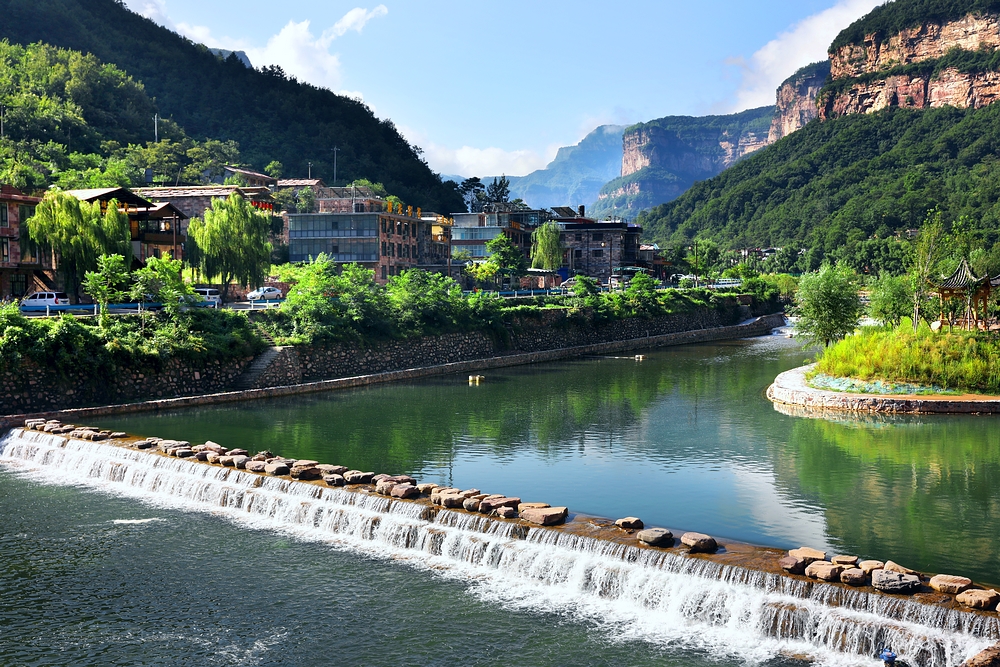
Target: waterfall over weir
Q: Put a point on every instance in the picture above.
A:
(656, 596)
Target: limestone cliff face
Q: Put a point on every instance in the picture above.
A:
(932, 87)
(664, 148)
(796, 100)
(926, 42)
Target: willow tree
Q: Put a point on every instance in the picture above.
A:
(546, 247)
(78, 233)
(232, 242)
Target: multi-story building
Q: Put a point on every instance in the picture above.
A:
(194, 200)
(471, 231)
(598, 249)
(23, 268)
(386, 242)
(156, 229)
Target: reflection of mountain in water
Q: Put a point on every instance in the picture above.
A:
(919, 490)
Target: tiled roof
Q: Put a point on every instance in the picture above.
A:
(300, 183)
(962, 278)
(123, 195)
(250, 172)
(180, 192)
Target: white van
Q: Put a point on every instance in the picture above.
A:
(210, 295)
(42, 299)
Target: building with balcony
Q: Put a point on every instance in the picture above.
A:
(598, 249)
(157, 229)
(386, 242)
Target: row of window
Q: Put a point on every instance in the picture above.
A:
(344, 250)
(23, 213)
(399, 250)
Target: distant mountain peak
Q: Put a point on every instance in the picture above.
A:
(225, 53)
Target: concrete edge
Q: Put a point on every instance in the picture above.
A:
(756, 327)
(790, 389)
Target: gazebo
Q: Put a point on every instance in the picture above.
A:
(974, 292)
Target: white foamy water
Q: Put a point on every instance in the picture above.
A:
(655, 596)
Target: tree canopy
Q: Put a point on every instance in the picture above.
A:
(232, 242)
(829, 306)
(547, 247)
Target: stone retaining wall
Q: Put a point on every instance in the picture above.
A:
(758, 327)
(790, 388)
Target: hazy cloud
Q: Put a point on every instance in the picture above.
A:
(295, 48)
(805, 42)
(471, 161)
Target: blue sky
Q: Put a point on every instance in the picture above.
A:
(496, 87)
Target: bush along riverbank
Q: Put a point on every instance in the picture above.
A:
(330, 329)
(955, 361)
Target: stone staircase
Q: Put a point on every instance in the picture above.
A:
(252, 373)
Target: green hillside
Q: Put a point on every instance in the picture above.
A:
(844, 187)
(270, 116)
(890, 18)
(681, 150)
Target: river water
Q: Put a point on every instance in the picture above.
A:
(102, 571)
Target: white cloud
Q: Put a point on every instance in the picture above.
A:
(471, 161)
(296, 49)
(805, 42)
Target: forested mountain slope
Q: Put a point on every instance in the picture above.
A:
(271, 116)
(841, 187)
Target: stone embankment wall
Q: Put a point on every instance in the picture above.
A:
(551, 330)
(34, 388)
(282, 370)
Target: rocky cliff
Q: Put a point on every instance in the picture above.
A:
(796, 100)
(933, 64)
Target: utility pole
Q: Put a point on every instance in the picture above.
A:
(335, 151)
(310, 170)
(156, 128)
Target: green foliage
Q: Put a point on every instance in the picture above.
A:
(365, 304)
(67, 344)
(270, 114)
(232, 242)
(108, 284)
(889, 299)
(310, 303)
(274, 169)
(79, 234)
(641, 297)
(965, 361)
(305, 201)
(546, 247)
(162, 281)
(892, 17)
(828, 304)
(425, 303)
(507, 257)
(848, 189)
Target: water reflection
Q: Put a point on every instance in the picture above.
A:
(684, 439)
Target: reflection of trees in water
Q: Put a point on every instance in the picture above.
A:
(923, 491)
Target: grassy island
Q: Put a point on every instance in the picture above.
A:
(967, 361)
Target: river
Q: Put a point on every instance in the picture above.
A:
(684, 439)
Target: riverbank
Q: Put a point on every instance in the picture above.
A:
(591, 553)
(283, 368)
(792, 388)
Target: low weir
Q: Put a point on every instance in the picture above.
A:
(654, 595)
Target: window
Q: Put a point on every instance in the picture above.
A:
(578, 237)
(597, 253)
(4, 250)
(578, 253)
(29, 251)
(597, 236)
(18, 284)
(4, 222)
(383, 272)
(24, 212)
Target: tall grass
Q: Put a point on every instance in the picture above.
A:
(962, 360)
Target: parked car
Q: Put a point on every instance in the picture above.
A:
(264, 294)
(42, 299)
(210, 295)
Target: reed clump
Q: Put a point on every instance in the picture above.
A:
(968, 361)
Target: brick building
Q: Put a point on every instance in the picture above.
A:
(23, 268)
(598, 249)
(156, 229)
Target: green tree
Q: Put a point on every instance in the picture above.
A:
(305, 200)
(274, 169)
(507, 257)
(889, 299)
(310, 300)
(162, 280)
(829, 306)
(425, 303)
(498, 192)
(641, 296)
(209, 158)
(108, 284)
(473, 192)
(927, 252)
(232, 242)
(587, 291)
(365, 304)
(78, 233)
(546, 247)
